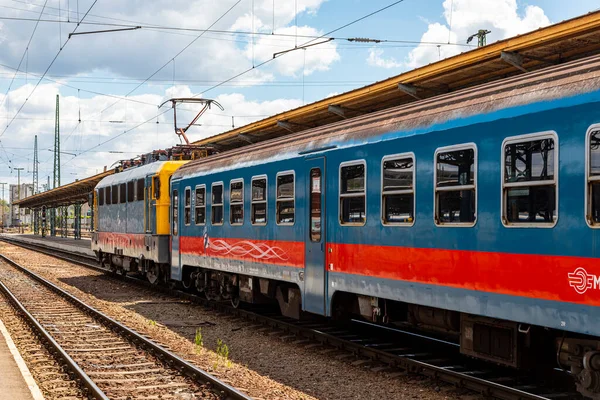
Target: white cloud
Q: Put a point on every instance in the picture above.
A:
(375, 59)
(37, 117)
(503, 18)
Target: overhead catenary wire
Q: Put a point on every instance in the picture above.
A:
(45, 72)
(176, 55)
(234, 77)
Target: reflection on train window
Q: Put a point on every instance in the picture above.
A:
(187, 206)
(108, 195)
(175, 212)
(455, 180)
(156, 187)
(259, 201)
(315, 205)
(140, 189)
(353, 199)
(130, 191)
(285, 200)
(529, 180)
(593, 178)
(200, 206)
(216, 216)
(236, 202)
(115, 194)
(100, 196)
(398, 192)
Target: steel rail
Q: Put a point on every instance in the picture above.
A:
(171, 359)
(458, 379)
(60, 352)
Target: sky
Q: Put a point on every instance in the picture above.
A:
(111, 84)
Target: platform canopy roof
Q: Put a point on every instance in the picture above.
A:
(565, 41)
(73, 193)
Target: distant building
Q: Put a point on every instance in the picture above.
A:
(18, 216)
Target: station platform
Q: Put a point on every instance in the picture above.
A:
(81, 246)
(15, 378)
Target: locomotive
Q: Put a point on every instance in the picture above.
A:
(472, 213)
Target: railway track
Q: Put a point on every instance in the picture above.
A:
(108, 359)
(371, 345)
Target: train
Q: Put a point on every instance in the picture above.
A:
(474, 214)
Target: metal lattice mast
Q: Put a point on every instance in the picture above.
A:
(36, 182)
(56, 182)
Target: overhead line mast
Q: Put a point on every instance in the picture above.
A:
(56, 182)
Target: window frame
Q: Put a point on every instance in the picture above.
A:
(196, 206)
(222, 203)
(237, 203)
(265, 201)
(187, 190)
(524, 138)
(587, 203)
(447, 149)
(287, 172)
(361, 161)
(411, 155)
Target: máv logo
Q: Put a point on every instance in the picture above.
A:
(581, 281)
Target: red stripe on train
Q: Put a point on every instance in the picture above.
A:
(558, 278)
(290, 254)
(121, 240)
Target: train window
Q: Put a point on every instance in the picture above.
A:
(108, 195)
(130, 191)
(200, 206)
(122, 192)
(115, 194)
(259, 201)
(139, 189)
(216, 216)
(187, 206)
(593, 177)
(175, 212)
(236, 202)
(316, 215)
(455, 185)
(398, 190)
(529, 180)
(353, 199)
(286, 210)
(156, 187)
(100, 196)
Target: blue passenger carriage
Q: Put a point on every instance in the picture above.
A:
(473, 213)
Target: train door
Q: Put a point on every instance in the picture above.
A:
(315, 238)
(175, 207)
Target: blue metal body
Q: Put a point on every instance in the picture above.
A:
(569, 118)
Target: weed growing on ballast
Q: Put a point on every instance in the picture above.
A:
(198, 340)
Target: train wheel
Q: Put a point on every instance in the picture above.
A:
(187, 282)
(153, 274)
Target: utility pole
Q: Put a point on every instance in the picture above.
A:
(36, 213)
(35, 167)
(6, 202)
(56, 175)
(57, 146)
(19, 193)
